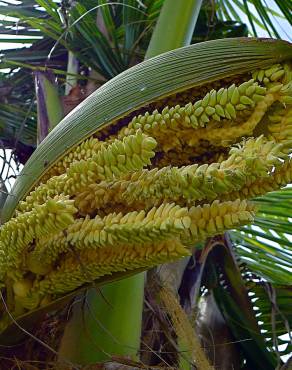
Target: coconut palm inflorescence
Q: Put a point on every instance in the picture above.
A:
(144, 189)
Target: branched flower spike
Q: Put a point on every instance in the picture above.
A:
(148, 185)
(162, 223)
(176, 125)
(16, 235)
(89, 264)
(109, 162)
(84, 151)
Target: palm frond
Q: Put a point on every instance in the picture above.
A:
(24, 9)
(244, 298)
(272, 304)
(261, 15)
(264, 250)
(223, 278)
(266, 245)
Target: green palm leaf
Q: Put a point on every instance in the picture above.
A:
(273, 314)
(266, 246)
(264, 250)
(260, 14)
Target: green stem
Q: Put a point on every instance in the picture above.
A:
(72, 70)
(107, 323)
(3, 194)
(175, 26)
(49, 106)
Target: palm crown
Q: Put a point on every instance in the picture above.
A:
(84, 45)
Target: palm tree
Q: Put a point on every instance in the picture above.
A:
(237, 273)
